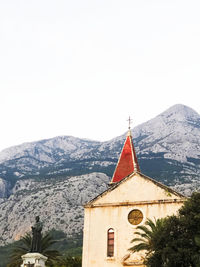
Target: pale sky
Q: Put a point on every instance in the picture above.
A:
(81, 68)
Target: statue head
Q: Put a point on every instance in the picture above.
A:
(37, 218)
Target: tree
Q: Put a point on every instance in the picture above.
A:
(172, 248)
(23, 246)
(148, 236)
(175, 242)
(67, 261)
(190, 217)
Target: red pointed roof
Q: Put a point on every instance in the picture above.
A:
(127, 162)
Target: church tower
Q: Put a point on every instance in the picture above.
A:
(111, 218)
(127, 162)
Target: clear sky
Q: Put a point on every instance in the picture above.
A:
(81, 68)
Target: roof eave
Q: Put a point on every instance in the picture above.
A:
(115, 185)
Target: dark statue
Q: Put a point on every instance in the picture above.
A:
(36, 236)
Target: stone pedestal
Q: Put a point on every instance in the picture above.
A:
(33, 260)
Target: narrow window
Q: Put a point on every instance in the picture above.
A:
(110, 247)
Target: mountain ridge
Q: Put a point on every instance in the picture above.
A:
(174, 133)
(63, 173)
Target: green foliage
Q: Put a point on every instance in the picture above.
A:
(174, 241)
(4, 252)
(21, 248)
(149, 235)
(67, 261)
(24, 245)
(172, 247)
(68, 246)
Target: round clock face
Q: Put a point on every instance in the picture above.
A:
(135, 217)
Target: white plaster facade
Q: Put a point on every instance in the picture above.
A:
(111, 209)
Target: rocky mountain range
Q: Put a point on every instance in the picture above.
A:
(55, 177)
(59, 202)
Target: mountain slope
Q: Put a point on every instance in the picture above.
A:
(168, 149)
(175, 132)
(55, 177)
(58, 202)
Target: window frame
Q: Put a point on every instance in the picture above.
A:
(110, 242)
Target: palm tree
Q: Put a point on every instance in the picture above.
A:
(148, 236)
(68, 261)
(23, 246)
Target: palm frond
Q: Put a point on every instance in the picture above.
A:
(137, 239)
(139, 247)
(146, 233)
(24, 246)
(145, 230)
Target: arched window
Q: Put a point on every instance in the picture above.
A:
(110, 244)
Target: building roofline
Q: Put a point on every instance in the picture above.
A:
(112, 186)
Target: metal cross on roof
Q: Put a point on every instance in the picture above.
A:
(129, 122)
